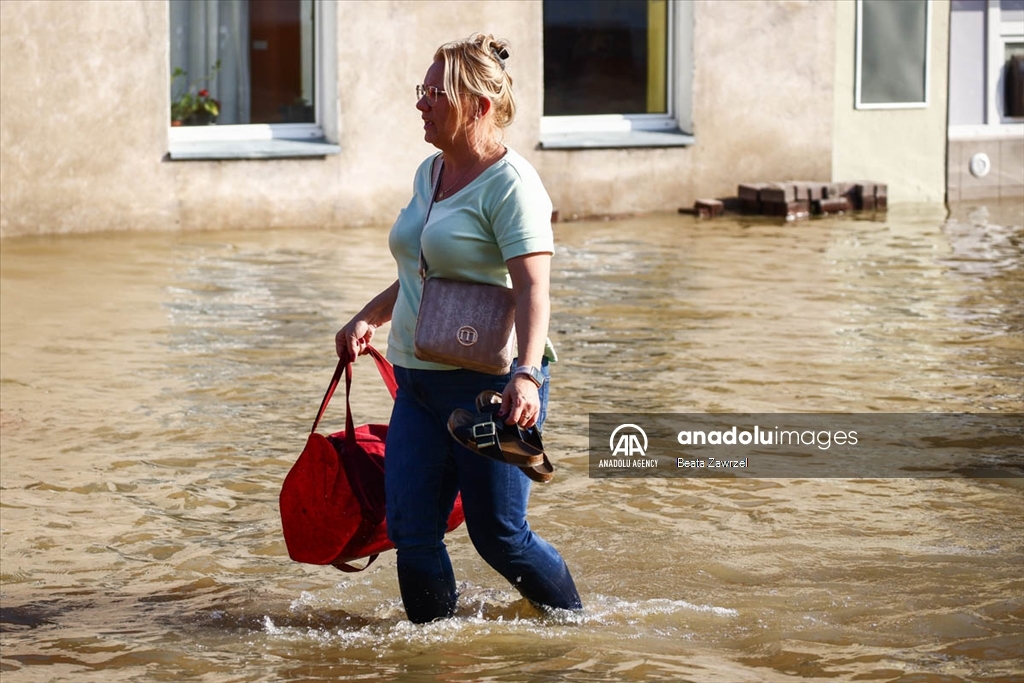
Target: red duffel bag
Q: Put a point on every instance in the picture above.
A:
(332, 501)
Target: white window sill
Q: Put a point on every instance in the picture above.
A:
(616, 139)
(983, 131)
(192, 150)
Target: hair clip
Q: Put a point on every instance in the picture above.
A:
(500, 54)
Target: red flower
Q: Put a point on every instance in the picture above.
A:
(204, 93)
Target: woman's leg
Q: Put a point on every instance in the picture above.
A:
(425, 468)
(420, 482)
(494, 498)
(502, 536)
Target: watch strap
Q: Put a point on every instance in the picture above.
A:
(533, 373)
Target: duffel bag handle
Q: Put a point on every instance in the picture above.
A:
(387, 373)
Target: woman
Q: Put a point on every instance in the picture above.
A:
(490, 222)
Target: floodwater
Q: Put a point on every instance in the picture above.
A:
(157, 387)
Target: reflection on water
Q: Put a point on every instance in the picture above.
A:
(156, 388)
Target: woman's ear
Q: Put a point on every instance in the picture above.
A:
(483, 106)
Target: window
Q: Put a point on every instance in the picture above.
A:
(1006, 36)
(616, 73)
(986, 84)
(257, 69)
(893, 45)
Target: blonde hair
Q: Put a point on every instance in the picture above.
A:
(475, 67)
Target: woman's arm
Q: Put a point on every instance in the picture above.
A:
(352, 339)
(531, 279)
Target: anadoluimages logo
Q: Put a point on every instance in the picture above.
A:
(629, 442)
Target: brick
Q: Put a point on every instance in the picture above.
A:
(731, 204)
(750, 190)
(839, 189)
(830, 205)
(801, 189)
(749, 197)
(708, 208)
(881, 196)
(790, 210)
(862, 195)
(778, 192)
(809, 189)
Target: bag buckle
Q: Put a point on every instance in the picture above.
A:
(485, 434)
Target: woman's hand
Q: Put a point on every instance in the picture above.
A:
(352, 340)
(520, 402)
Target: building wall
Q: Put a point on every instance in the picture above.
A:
(83, 120)
(904, 148)
(762, 94)
(83, 96)
(84, 101)
(1005, 178)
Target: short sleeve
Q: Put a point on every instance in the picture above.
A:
(521, 217)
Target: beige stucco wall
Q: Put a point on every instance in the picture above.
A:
(84, 101)
(904, 148)
(82, 88)
(83, 120)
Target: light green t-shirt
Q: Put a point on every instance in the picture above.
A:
(503, 213)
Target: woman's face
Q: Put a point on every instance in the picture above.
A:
(439, 120)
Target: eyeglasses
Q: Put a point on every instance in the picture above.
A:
(430, 91)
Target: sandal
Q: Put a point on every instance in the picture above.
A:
(487, 434)
(542, 473)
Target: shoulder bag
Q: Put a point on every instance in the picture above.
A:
(466, 324)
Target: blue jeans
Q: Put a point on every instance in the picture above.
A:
(425, 470)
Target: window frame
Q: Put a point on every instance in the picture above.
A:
(673, 128)
(999, 32)
(859, 69)
(276, 140)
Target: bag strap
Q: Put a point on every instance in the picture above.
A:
(387, 373)
(351, 568)
(436, 171)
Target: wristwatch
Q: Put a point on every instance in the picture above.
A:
(533, 373)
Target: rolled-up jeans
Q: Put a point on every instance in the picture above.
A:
(425, 469)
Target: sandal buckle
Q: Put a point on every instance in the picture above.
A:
(485, 434)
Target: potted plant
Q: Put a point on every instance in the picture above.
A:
(195, 106)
